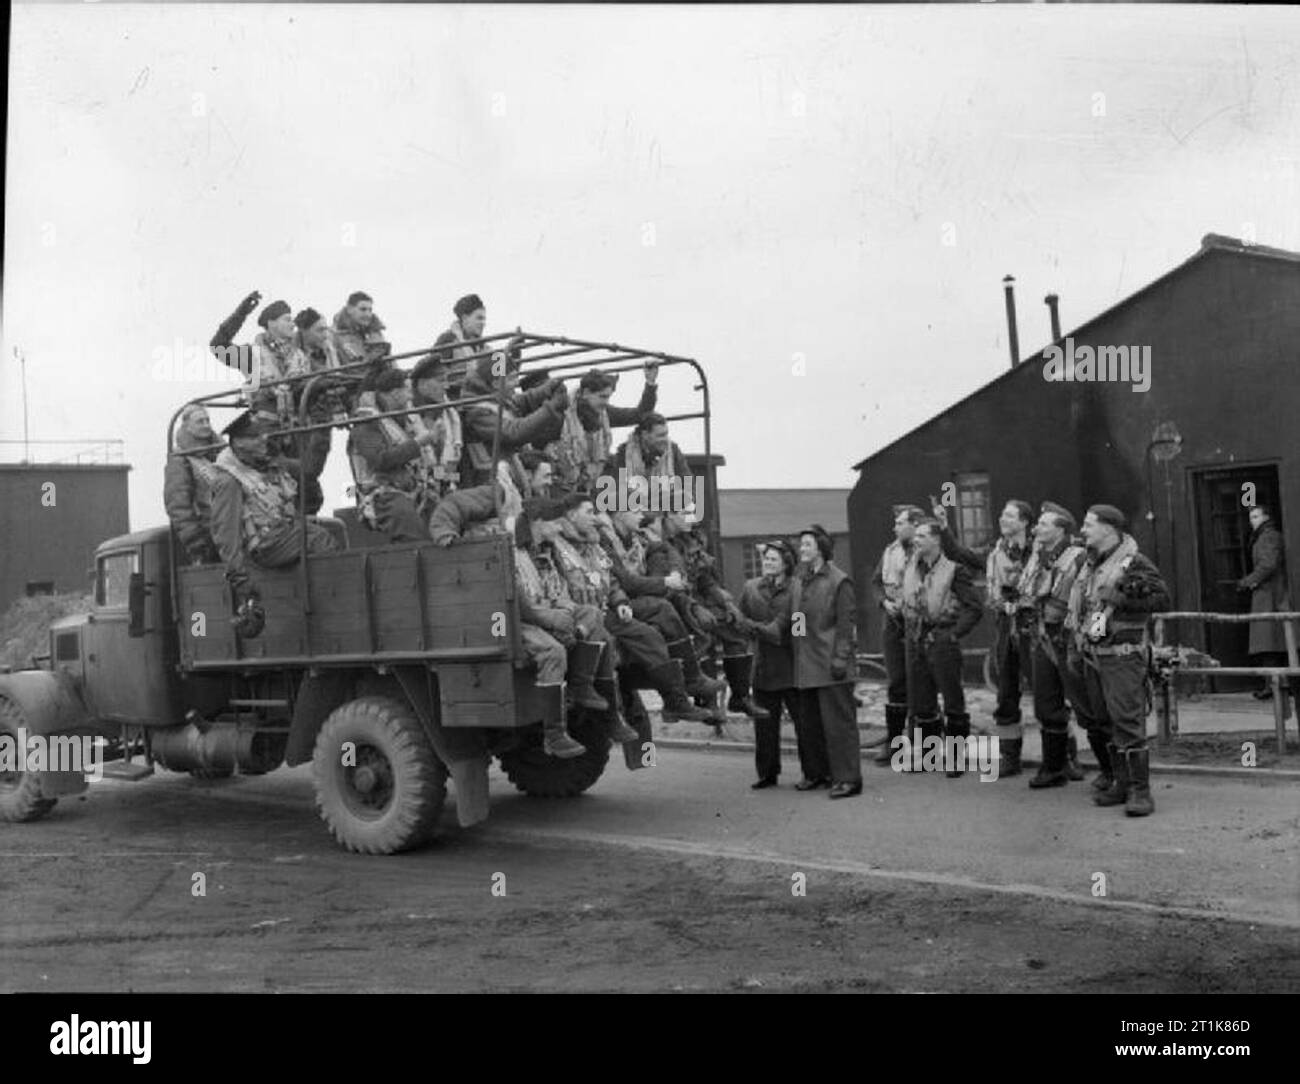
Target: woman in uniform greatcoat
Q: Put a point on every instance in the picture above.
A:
(765, 603)
(1269, 593)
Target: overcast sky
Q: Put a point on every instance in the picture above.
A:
(833, 192)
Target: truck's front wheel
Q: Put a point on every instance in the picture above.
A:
(379, 786)
(20, 790)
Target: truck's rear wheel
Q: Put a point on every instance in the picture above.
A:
(20, 791)
(541, 776)
(211, 773)
(265, 753)
(379, 786)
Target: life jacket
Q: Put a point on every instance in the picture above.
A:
(367, 479)
(893, 564)
(461, 351)
(357, 343)
(580, 454)
(512, 500)
(274, 359)
(479, 380)
(664, 487)
(633, 553)
(269, 497)
(586, 568)
(329, 402)
(1048, 585)
(1086, 604)
(630, 554)
(440, 461)
(529, 578)
(1003, 570)
(927, 596)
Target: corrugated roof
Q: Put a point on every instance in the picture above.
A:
(1211, 242)
(746, 513)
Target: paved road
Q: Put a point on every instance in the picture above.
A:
(674, 877)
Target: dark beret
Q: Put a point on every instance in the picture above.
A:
(430, 365)
(247, 424)
(273, 311)
(1108, 513)
(385, 379)
(1051, 508)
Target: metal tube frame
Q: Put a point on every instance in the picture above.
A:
(624, 359)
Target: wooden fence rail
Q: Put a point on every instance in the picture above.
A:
(1167, 712)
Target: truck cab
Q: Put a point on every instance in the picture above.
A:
(123, 653)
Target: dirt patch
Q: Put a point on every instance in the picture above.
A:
(1227, 749)
(619, 922)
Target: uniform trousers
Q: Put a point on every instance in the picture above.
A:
(1013, 654)
(1058, 686)
(934, 670)
(894, 645)
(283, 545)
(831, 711)
(767, 736)
(396, 516)
(1117, 696)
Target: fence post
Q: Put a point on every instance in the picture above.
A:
(1279, 712)
(1162, 707)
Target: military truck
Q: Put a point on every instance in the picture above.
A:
(390, 667)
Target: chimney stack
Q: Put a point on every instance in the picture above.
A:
(1009, 285)
(1051, 300)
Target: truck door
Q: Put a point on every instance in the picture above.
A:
(130, 668)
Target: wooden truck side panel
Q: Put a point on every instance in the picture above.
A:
(451, 608)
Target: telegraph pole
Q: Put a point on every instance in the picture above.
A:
(22, 362)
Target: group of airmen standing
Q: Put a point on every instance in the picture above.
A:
(1073, 618)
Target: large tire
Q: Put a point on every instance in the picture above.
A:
(390, 799)
(266, 753)
(211, 773)
(541, 776)
(20, 791)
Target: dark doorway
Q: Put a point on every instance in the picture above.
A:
(1223, 532)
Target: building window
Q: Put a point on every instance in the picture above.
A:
(753, 560)
(112, 585)
(40, 587)
(974, 510)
